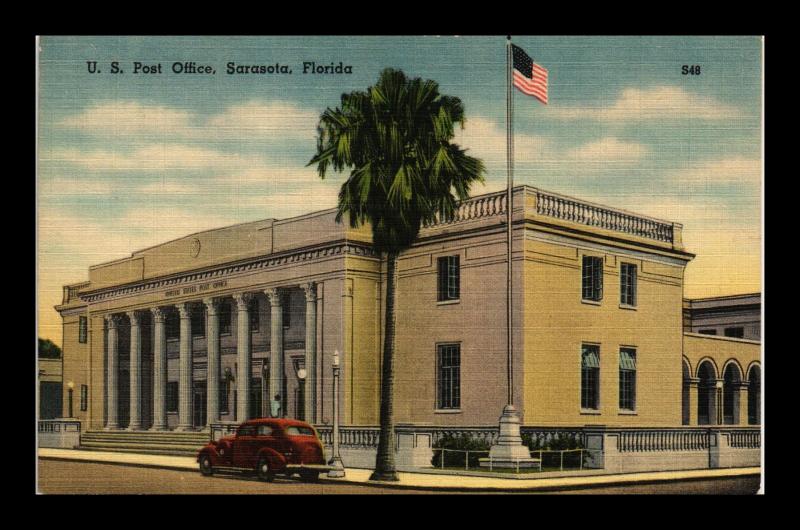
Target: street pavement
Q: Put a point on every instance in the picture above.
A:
(167, 474)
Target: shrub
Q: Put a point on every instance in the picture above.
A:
(460, 443)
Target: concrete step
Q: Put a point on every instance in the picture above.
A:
(113, 446)
(143, 450)
(144, 436)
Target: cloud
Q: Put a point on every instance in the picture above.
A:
(154, 157)
(76, 186)
(738, 171)
(272, 120)
(253, 120)
(486, 139)
(651, 104)
(608, 149)
(124, 118)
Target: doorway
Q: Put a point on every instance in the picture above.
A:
(199, 404)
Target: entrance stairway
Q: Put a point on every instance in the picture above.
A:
(147, 442)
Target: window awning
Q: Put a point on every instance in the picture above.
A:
(627, 360)
(590, 359)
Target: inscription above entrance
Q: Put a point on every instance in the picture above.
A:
(203, 287)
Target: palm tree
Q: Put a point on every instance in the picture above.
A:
(404, 172)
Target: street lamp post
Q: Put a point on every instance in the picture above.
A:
(336, 461)
(70, 385)
(301, 377)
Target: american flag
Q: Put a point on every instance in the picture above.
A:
(529, 77)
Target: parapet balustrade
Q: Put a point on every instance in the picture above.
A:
(564, 208)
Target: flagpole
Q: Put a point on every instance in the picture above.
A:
(508, 451)
(509, 216)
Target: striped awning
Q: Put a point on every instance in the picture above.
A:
(627, 360)
(590, 358)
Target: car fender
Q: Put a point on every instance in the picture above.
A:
(211, 451)
(276, 460)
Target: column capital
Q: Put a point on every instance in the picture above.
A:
(112, 319)
(184, 309)
(274, 295)
(159, 314)
(212, 304)
(134, 317)
(310, 289)
(242, 300)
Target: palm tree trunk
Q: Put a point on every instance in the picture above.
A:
(384, 462)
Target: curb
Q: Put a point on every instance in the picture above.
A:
(627, 481)
(542, 488)
(173, 467)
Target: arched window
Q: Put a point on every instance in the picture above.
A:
(706, 394)
(730, 394)
(754, 396)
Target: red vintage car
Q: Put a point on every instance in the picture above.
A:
(267, 446)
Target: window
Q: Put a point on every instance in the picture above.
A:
(172, 325)
(448, 376)
(246, 430)
(736, 333)
(223, 396)
(82, 329)
(84, 397)
(590, 377)
(708, 331)
(627, 284)
(300, 431)
(264, 430)
(627, 379)
(225, 318)
(448, 279)
(198, 322)
(254, 315)
(592, 278)
(172, 396)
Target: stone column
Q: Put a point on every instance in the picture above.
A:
(212, 335)
(693, 395)
(243, 354)
(276, 346)
(135, 373)
(185, 370)
(718, 408)
(159, 370)
(310, 406)
(743, 399)
(112, 360)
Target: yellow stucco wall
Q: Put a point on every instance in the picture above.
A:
(720, 351)
(558, 322)
(76, 366)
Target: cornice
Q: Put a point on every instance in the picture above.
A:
(231, 269)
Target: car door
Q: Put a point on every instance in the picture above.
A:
(265, 434)
(244, 447)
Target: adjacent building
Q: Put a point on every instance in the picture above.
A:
(213, 326)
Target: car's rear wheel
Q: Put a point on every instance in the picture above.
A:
(309, 476)
(206, 469)
(265, 471)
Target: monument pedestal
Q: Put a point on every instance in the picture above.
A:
(508, 451)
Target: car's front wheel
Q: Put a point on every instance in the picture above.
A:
(205, 466)
(264, 470)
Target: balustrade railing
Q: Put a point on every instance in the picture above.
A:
(483, 206)
(55, 426)
(567, 209)
(640, 440)
(745, 439)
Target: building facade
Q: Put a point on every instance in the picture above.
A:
(737, 316)
(213, 326)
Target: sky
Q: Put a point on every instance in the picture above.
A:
(130, 160)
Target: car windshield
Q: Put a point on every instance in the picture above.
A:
(299, 431)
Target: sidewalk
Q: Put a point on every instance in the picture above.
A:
(425, 479)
